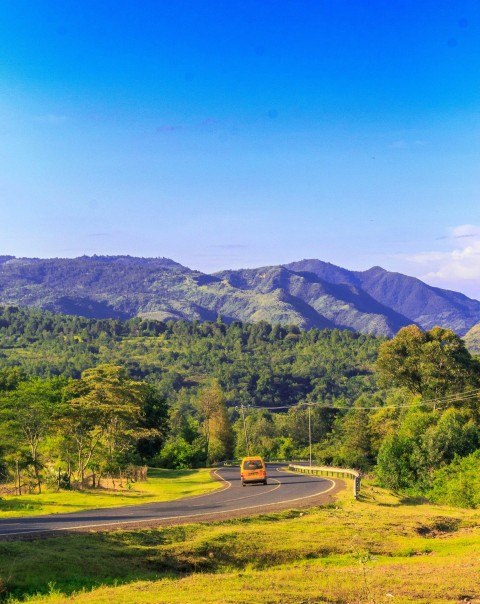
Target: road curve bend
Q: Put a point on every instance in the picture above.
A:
(284, 490)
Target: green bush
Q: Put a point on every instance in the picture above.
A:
(458, 484)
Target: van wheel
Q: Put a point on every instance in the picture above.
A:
(243, 484)
(265, 481)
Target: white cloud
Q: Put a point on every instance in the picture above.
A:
(426, 257)
(457, 268)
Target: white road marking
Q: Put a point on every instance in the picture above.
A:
(259, 494)
(224, 480)
(11, 523)
(116, 523)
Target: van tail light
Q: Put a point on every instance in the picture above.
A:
(241, 475)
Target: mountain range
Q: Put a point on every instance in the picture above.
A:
(308, 293)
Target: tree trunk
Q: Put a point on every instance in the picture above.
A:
(17, 478)
(37, 477)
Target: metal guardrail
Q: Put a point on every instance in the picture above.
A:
(293, 465)
(330, 471)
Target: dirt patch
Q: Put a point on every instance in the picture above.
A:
(441, 525)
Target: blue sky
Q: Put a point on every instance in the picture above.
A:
(227, 134)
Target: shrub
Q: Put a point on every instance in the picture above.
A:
(458, 484)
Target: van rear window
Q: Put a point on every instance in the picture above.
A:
(252, 464)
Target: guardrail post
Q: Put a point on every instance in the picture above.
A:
(356, 486)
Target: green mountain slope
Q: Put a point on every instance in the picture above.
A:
(309, 293)
(344, 306)
(421, 303)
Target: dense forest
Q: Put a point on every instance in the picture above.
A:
(82, 398)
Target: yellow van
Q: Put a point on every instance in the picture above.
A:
(252, 469)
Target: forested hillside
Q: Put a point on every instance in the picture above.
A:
(254, 363)
(80, 397)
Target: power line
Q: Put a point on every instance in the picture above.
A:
(436, 402)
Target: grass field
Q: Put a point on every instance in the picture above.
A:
(162, 485)
(379, 549)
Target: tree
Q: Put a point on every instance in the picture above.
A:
(404, 457)
(455, 433)
(103, 411)
(432, 363)
(394, 468)
(185, 445)
(356, 447)
(27, 416)
(10, 378)
(261, 433)
(216, 427)
(155, 420)
(458, 484)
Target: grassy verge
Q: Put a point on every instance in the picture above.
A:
(162, 485)
(379, 549)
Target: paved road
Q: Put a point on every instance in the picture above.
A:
(284, 490)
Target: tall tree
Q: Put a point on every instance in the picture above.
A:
(216, 427)
(155, 421)
(27, 416)
(103, 410)
(432, 363)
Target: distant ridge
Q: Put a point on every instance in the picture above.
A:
(420, 303)
(308, 293)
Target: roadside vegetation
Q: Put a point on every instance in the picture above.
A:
(161, 485)
(84, 403)
(382, 548)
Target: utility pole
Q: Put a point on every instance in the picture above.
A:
(247, 445)
(310, 431)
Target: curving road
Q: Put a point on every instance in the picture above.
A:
(284, 490)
